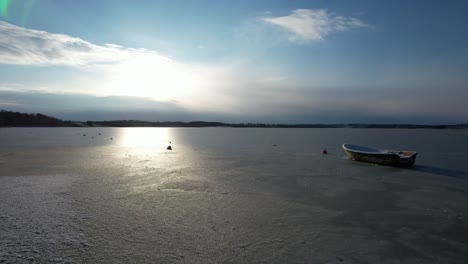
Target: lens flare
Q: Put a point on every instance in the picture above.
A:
(26, 11)
(4, 8)
(16, 11)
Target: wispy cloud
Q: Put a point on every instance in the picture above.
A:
(19, 45)
(117, 70)
(313, 24)
(114, 70)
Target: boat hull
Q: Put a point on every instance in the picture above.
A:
(387, 159)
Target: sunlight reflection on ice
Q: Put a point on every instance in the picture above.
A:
(138, 145)
(157, 138)
(149, 166)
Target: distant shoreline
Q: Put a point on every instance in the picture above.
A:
(16, 119)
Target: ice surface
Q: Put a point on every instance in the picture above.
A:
(231, 197)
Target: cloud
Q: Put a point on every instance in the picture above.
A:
(113, 70)
(115, 79)
(108, 69)
(68, 104)
(19, 45)
(313, 24)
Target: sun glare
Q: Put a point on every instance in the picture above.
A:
(154, 138)
(152, 77)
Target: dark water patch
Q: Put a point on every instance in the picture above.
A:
(398, 187)
(456, 189)
(457, 230)
(441, 171)
(358, 202)
(409, 235)
(438, 247)
(379, 212)
(365, 209)
(399, 250)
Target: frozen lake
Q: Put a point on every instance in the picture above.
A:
(84, 195)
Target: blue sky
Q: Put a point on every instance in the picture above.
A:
(237, 61)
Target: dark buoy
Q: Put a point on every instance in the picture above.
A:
(84, 135)
(99, 133)
(274, 145)
(169, 148)
(111, 138)
(324, 151)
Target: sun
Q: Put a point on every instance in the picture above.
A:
(155, 138)
(152, 76)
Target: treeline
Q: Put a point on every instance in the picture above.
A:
(16, 119)
(408, 126)
(136, 123)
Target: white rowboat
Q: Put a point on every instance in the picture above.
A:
(380, 156)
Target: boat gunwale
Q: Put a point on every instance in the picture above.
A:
(378, 151)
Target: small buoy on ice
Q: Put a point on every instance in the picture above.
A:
(111, 138)
(169, 148)
(324, 151)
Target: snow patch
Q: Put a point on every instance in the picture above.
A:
(38, 220)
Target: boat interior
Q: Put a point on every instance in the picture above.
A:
(406, 153)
